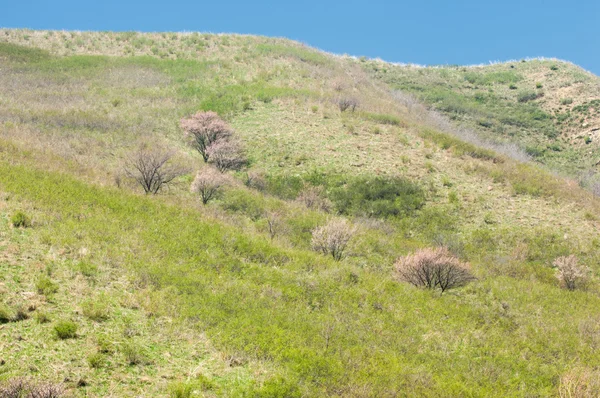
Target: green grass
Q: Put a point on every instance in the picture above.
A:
(174, 298)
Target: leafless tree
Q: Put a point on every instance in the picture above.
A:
(204, 129)
(226, 155)
(207, 183)
(151, 168)
(571, 274)
(345, 103)
(433, 268)
(332, 238)
(20, 387)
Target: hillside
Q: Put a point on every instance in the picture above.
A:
(550, 107)
(171, 297)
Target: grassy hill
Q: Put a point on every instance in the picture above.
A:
(550, 107)
(173, 298)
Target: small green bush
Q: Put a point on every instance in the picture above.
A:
(5, 314)
(96, 360)
(65, 330)
(45, 286)
(96, 309)
(134, 354)
(526, 96)
(566, 101)
(42, 317)
(180, 390)
(20, 220)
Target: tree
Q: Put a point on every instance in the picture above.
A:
(333, 238)
(571, 274)
(151, 168)
(433, 268)
(204, 129)
(207, 184)
(226, 155)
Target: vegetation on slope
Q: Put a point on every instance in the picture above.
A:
(239, 275)
(551, 108)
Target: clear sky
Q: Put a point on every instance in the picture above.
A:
(424, 32)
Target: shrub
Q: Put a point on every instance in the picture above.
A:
(332, 238)
(226, 155)
(204, 129)
(5, 314)
(96, 360)
(65, 330)
(571, 274)
(23, 388)
(312, 198)
(42, 317)
(378, 197)
(346, 103)
(256, 180)
(151, 169)
(527, 96)
(45, 286)
(96, 309)
(274, 222)
(134, 355)
(207, 184)
(566, 101)
(180, 390)
(433, 269)
(20, 220)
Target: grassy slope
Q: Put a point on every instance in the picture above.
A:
(282, 315)
(550, 107)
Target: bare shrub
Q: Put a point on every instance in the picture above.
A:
(226, 155)
(23, 388)
(312, 198)
(208, 183)
(346, 103)
(579, 383)
(204, 129)
(274, 222)
(151, 168)
(433, 268)
(571, 274)
(256, 179)
(333, 237)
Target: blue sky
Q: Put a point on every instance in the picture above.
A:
(424, 32)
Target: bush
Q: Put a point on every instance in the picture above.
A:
(150, 168)
(226, 155)
(134, 355)
(45, 286)
(208, 183)
(22, 388)
(204, 129)
(312, 197)
(378, 197)
(20, 220)
(346, 103)
(333, 238)
(96, 309)
(571, 274)
(6, 314)
(527, 96)
(96, 361)
(65, 330)
(433, 269)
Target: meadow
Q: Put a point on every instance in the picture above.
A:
(110, 292)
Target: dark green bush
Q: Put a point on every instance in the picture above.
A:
(378, 197)
(65, 330)
(20, 220)
(526, 96)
